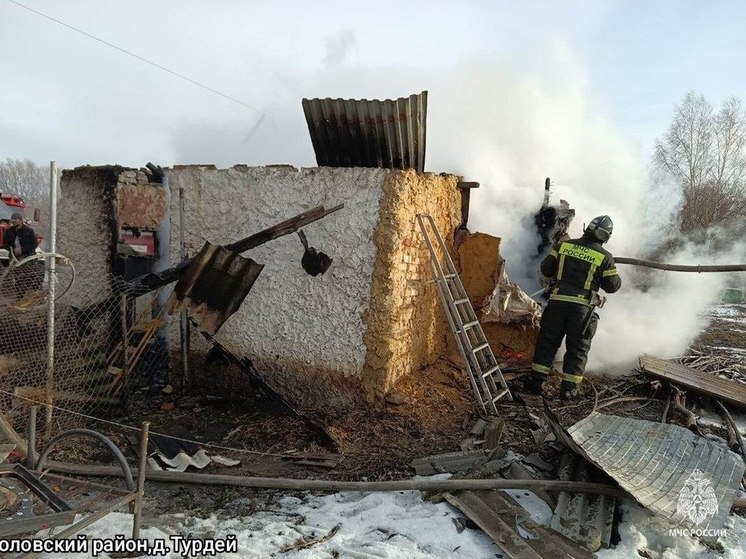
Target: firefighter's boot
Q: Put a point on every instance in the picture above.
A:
(568, 390)
(534, 383)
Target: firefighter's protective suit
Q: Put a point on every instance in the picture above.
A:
(580, 267)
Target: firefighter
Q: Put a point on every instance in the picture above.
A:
(579, 268)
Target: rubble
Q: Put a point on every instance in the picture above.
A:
(176, 454)
(451, 462)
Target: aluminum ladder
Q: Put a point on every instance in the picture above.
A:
(486, 378)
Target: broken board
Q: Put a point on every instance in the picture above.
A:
(728, 391)
(499, 517)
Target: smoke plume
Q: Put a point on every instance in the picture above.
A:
(509, 129)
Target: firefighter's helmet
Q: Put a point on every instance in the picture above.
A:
(600, 227)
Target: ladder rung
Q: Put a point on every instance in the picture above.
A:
(500, 394)
(470, 325)
(449, 276)
(480, 347)
(461, 301)
(490, 371)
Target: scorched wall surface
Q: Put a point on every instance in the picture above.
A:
(306, 332)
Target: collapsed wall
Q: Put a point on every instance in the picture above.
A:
(509, 318)
(108, 220)
(406, 325)
(326, 341)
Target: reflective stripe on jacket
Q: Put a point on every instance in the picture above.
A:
(580, 266)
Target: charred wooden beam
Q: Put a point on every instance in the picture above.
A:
(159, 279)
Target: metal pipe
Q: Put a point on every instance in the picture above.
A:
(335, 485)
(680, 268)
(125, 347)
(330, 485)
(547, 184)
(184, 319)
(51, 269)
(31, 452)
(124, 467)
(144, 436)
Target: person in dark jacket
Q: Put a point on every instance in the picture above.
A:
(20, 241)
(579, 268)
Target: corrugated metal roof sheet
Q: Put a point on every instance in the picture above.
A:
(368, 133)
(214, 286)
(662, 466)
(584, 518)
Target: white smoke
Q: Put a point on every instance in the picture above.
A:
(509, 129)
(338, 48)
(503, 126)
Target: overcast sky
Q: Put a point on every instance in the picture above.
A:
(621, 65)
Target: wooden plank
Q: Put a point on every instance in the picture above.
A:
(492, 524)
(549, 543)
(692, 379)
(498, 516)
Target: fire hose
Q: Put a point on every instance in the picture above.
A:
(670, 268)
(681, 268)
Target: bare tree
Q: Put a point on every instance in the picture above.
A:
(28, 180)
(703, 151)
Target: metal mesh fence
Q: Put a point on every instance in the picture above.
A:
(107, 350)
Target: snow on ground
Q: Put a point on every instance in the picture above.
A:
(726, 311)
(397, 525)
(402, 525)
(710, 418)
(640, 530)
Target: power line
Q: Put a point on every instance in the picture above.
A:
(132, 54)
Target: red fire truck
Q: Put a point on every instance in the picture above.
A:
(9, 204)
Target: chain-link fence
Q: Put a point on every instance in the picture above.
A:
(105, 351)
